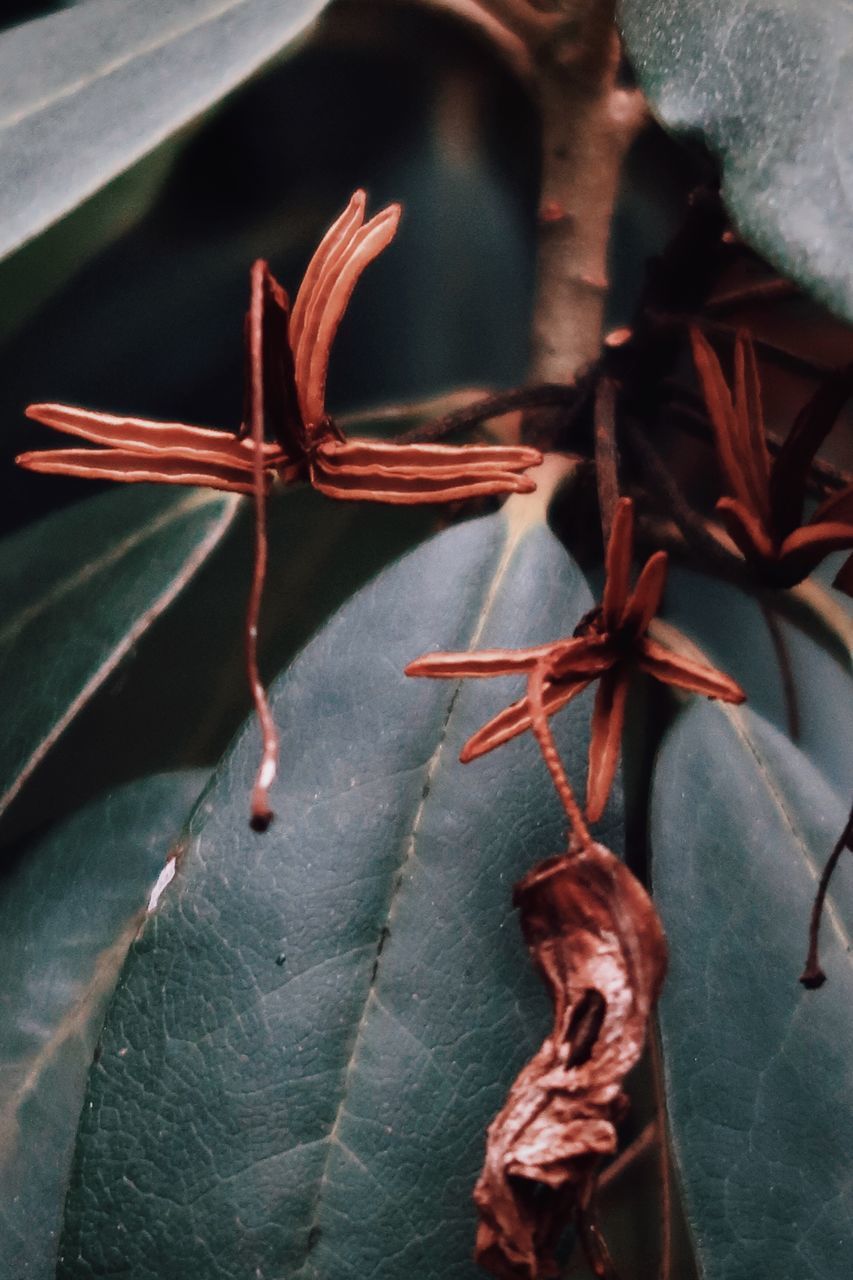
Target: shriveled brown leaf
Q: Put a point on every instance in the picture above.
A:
(596, 938)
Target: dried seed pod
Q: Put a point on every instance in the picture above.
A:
(596, 938)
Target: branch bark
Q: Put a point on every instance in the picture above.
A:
(588, 123)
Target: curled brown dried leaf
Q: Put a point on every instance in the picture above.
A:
(598, 943)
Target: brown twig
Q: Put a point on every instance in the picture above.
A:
(645, 1141)
(813, 975)
(781, 355)
(747, 294)
(427, 409)
(492, 406)
(663, 1159)
(606, 454)
(588, 122)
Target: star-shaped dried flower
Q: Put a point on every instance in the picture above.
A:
(288, 368)
(763, 511)
(609, 645)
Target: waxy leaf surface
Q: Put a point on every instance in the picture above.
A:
(79, 590)
(84, 93)
(806, 687)
(768, 86)
(68, 911)
(316, 1025)
(758, 1068)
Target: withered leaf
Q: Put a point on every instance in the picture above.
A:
(596, 938)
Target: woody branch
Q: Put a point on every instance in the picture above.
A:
(588, 123)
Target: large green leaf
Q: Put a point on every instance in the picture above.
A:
(68, 912)
(735, 633)
(85, 93)
(758, 1068)
(79, 591)
(316, 1024)
(768, 86)
(122, 646)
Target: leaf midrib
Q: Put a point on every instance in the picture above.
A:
(122, 646)
(514, 532)
(738, 722)
(108, 68)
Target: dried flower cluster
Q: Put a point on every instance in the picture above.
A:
(287, 361)
(286, 371)
(763, 511)
(609, 645)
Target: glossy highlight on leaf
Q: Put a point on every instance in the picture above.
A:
(68, 912)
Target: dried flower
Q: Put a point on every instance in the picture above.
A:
(763, 512)
(598, 943)
(287, 361)
(608, 645)
(288, 370)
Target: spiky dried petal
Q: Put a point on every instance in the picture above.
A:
(683, 673)
(722, 414)
(605, 743)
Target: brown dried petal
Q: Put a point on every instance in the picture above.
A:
(596, 938)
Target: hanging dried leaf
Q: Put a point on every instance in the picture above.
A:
(596, 938)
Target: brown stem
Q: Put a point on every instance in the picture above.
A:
(644, 1142)
(813, 975)
(747, 294)
(606, 454)
(492, 406)
(425, 410)
(587, 125)
(775, 351)
(663, 1160)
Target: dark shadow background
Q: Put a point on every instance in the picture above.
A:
(134, 303)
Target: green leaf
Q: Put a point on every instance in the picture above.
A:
(85, 93)
(79, 591)
(768, 87)
(737, 635)
(758, 1073)
(68, 912)
(316, 1025)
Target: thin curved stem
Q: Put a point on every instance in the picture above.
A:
(493, 406)
(261, 813)
(663, 1159)
(542, 732)
(813, 975)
